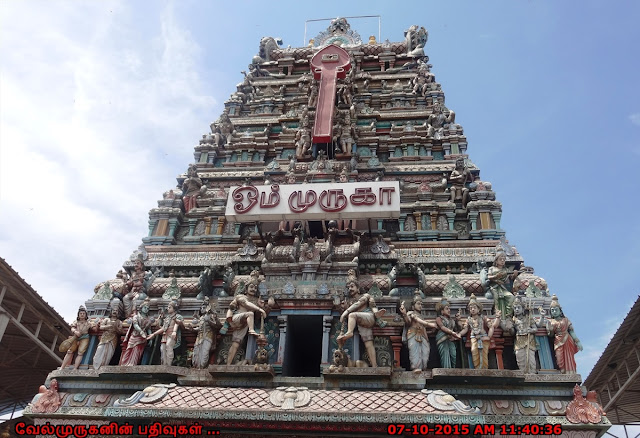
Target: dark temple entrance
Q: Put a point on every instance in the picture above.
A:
(303, 353)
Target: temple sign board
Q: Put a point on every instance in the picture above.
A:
(376, 199)
(328, 65)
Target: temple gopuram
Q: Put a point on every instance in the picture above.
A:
(331, 264)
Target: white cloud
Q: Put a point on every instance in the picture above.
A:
(97, 119)
(635, 119)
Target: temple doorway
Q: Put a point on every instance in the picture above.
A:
(303, 354)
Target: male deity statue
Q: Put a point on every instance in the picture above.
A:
(480, 330)
(170, 330)
(416, 335)
(241, 315)
(78, 341)
(525, 346)
(111, 328)
(191, 188)
(346, 132)
(361, 310)
(458, 178)
(135, 287)
(565, 344)
(437, 121)
(207, 323)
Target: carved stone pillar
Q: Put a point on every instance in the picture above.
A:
(434, 220)
(401, 220)
(152, 225)
(282, 325)
(173, 225)
(497, 215)
(192, 226)
(207, 225)
(327, 322)
(418, 217)
(220, 225)
(396, 344)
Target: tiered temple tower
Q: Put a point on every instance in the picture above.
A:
(334, 206)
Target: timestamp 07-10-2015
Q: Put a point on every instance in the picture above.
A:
(474, 429)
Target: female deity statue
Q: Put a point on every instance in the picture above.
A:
(111, 328)
(481, 331)
(500, 284)
(136, 338)
(565, 344)
(416, 335)
(170, 331)
(447, 336)
(207, 324)
(78, 342)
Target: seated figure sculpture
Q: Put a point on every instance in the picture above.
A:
(241, 315)
(500, 283)
(361, 311)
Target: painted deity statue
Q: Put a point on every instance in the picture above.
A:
(136, 338)
(447, 336)
(500, 283)
(241, 315)
(361, 310)
(170, 325)
(111, 328)
(565, 344)
(416, 335)
(480, 330)
(458, 178)
(207, 324)
(525, 344)
(78, 342)
(191, 188)
(437, 121)
(135, 288)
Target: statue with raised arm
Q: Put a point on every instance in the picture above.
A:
(170, 330)
(241, 315)
(458, 179)
(480, 330)
(415, 334)
(361, 311)
(136, 338)
(447, 336)
(191, 188)
(565, 343)
(500, 282)
(438, 120)
(207, 324)
(78, 342)
(135, 287)
(525, 343)
(111, 328)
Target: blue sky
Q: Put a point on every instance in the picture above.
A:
(101, 104)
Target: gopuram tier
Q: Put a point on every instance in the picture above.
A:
(331, 262)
